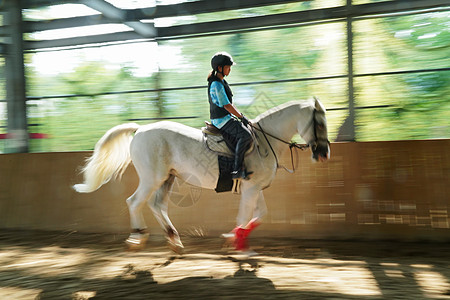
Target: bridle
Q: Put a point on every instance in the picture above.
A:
(292, 144)
(313, 123)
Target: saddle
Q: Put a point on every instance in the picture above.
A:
(215, 142)
(211, 129)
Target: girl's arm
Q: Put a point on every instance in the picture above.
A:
(233, 110)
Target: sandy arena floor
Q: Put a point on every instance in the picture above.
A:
(70, 265)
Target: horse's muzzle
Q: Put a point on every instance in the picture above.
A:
(321, 153)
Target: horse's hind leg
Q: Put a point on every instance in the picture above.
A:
(159, 206)
(135, 202)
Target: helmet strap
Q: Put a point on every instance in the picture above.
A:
(220, 72)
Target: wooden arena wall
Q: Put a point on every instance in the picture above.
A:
(370, 190)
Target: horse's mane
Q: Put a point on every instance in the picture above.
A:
(279, 109)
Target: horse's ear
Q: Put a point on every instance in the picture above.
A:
(319, 106)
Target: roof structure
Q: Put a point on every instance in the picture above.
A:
(140, 21)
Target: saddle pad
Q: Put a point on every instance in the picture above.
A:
(216, 143)
(225, 157)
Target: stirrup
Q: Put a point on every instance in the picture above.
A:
(244, 174)
(236, 189)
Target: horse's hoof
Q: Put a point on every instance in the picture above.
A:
(229, 239)
(177, 248)
(134, 244)
(227, 235)
(249, 253)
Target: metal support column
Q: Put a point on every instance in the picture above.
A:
(350, 128)
(346, 132)
(15, 79)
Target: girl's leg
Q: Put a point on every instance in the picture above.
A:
(239, 138)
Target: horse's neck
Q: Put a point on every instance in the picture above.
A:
(282, 124)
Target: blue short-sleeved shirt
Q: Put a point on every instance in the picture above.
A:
(219, 98)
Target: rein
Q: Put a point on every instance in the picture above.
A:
(291, 145)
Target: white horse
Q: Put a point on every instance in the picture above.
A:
(165, 150)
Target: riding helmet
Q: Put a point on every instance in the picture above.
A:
(221, 59)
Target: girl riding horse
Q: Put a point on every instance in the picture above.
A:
(223, 113)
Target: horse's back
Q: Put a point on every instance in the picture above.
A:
(167, 131)
(176, 148)
(165, 137)
(170, 127)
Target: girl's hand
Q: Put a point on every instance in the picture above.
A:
(244, 120)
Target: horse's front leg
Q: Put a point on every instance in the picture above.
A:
(252, 207)
(159, 206)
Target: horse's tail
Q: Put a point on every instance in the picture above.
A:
(110, 158)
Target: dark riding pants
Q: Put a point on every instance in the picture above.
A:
(238, 137)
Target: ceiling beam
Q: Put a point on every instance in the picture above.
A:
(28, 4)
(203, 6)
(184, 8)
(83, 40)
(98, 19)
(113, 13)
